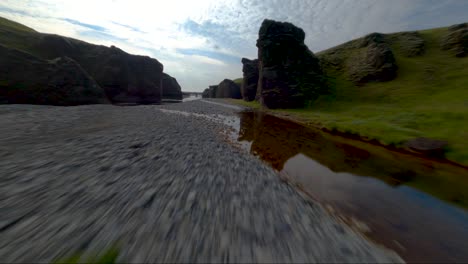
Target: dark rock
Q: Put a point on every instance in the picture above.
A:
(212, 91)
(170, 88)
(26, 79)
(124, 77)
(206, 93)
(228, 89)
(250, 79)
(374, 62)
(427, 146)
(289, 73)
(456, 40)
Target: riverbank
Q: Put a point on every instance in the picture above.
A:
(158, 181)
(342, 123)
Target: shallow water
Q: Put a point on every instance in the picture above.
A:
(414, 206)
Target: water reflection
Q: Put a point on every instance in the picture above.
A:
(393, 193)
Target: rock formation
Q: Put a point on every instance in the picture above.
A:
(212, 91)
(26, 79)
(206, 93)
(170, 88)
(228, 89)
(250, 81)
(125, 78)
(374, 61)
(456, 40)
(411, 44)
(289, 73)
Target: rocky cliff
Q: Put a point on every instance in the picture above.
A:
(125, 78)
(26, 79)
(228, 89)
(171, 88)
(250, 79)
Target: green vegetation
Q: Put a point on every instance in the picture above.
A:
(238, 81)
(109, 257)
(5, 23)
(428, 98)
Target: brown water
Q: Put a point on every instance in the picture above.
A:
(414, 206)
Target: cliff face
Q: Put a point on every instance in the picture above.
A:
(125, 78)
(289, 73)
(171, 88)
(250, 79)
(26, 79)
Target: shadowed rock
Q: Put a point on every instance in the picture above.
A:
(428, 146)
(206, 93)
(125, 78)
(170, 88)
(374, 61)
(26, 79)
(212, 91)
(456, 40)
(250, 79)
(289, 73)
(228, 89)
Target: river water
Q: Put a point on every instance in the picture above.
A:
(412, 205)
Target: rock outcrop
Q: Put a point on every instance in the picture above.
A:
(250, 79)
(374, 61)
(170, 88)
(212, 90)
(124, 77)
(427, 146)
(228, 89)
(26, 79)
(411, 44)
(456, 40)
(206, 93)
(289, 73)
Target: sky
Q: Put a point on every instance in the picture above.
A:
(201, 42)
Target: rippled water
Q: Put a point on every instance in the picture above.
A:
(414, 206)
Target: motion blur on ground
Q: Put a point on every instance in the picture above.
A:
(233, 131)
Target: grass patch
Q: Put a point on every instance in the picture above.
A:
(238, 81)
(14, 26)
(108, 257)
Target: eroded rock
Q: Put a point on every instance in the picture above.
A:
(250, 79)
(170, 88)
(456, 40)
(289, 73)
(26, 79)
(427, 146)
(374, 61)
(228, 89)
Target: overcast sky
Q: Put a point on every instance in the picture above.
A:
(201, 42)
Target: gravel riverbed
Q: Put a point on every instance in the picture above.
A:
(160, 185)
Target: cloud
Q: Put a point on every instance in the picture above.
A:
(93, 27)
(201, 42)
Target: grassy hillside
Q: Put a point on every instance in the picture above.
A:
(5, 23)
(428, 98)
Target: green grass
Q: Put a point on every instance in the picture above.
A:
(429, 98)
(108, 257)
(238, 81)
(5, 23)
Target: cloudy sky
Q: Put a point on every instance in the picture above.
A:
(201, 42)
